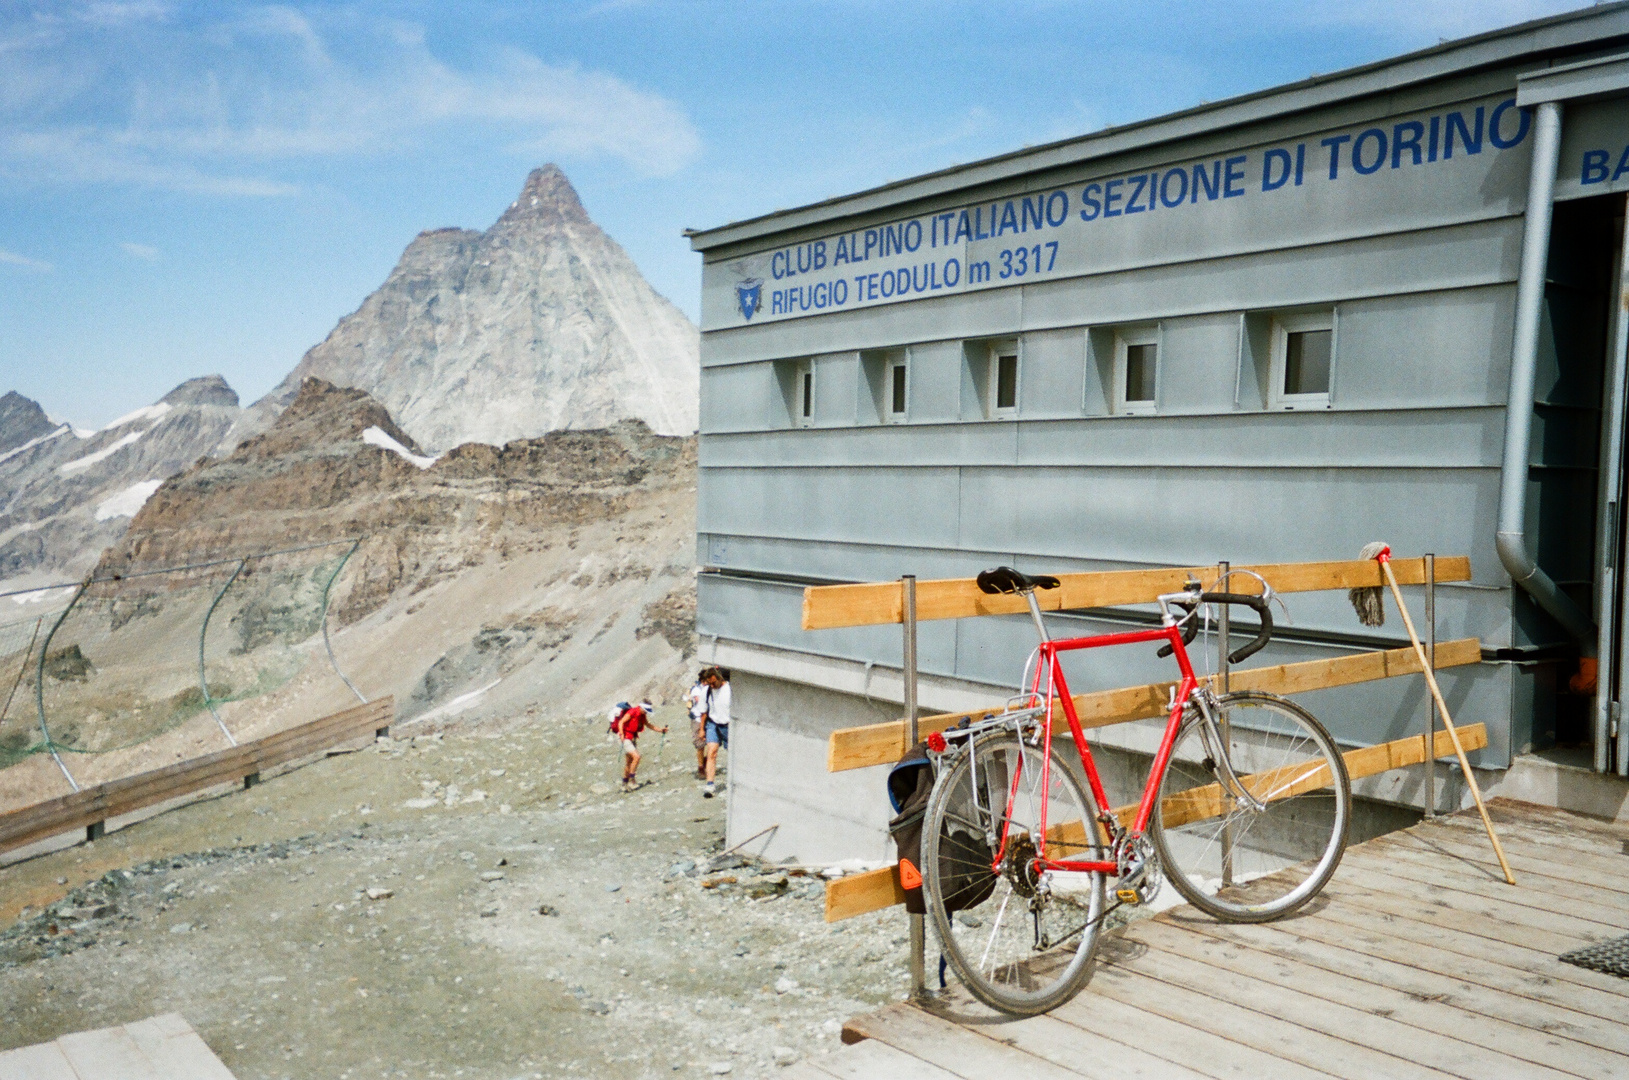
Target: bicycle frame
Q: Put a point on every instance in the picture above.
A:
(1057, 685)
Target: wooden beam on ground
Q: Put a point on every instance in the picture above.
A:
(94, 805)
(876, 889)
(884, 744)
(874, 603)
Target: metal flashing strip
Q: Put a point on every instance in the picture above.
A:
(1574, 82)
(1572, 31)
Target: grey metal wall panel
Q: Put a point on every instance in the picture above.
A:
(1436, 349)
(833, 504)
(838, 385)
(1478, 253)
(1197, 363)
(1051, 377)
(1448, 438)
(935, 382)
(739, 398)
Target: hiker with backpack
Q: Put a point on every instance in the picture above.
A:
(696, 699)
(627, 721)
(717, 723)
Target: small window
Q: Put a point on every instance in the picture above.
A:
(805, 393)
(1003, 391)
(898, 397)
(1136, 372)
(1303, 360)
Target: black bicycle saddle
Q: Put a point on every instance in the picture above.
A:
(1004, 579)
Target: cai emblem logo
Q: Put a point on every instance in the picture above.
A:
(749, 294)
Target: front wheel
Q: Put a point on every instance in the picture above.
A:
(1021, 941)
(1227, 858)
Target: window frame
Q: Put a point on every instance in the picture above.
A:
(900, 362)
(1012, 347)
(1297, 323)
(805, 386)
(1124, 339)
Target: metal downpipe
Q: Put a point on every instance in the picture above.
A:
(1511, 538)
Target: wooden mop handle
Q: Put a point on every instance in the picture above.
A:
(1384, 558)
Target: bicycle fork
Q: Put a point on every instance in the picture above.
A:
(1219, 759)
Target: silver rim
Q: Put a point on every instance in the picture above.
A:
(992, 944)
(1231, 860)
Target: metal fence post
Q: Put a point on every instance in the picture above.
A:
(919, 982)
(328, 642)
(1430, 701)
(203, 632)
(39, 683)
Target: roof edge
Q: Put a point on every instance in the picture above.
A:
(1439, 61)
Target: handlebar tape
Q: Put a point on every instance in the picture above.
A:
(1254, 603)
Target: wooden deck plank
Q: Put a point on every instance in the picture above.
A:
(44, 1061)
(1546, 871)
(1516, 921)
(1572, 899)
(1173, 1039)
(1051, 1039)
(965, 1051)
(1232, 1011)
(1426, 973)
(1533, 964)
(1539, 843)
(1346, 1041)
(1443, 1033)
(873, 1060)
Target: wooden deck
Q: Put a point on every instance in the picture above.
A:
(162, 1048)
(1418, 961)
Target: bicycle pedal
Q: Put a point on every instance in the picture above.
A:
(1128, 896)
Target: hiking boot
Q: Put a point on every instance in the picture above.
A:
(707, 792)
(701, 773)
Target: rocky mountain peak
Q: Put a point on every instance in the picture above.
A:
(547, 199)
(323, 415)
(21, 420)
(205, 390)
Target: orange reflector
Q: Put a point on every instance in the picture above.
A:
(909, 876)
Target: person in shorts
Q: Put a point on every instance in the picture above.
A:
(717, 724)
(627, 721)
(696, 699)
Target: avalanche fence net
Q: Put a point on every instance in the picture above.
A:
(130, 657)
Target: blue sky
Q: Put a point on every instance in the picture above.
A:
(188, 188)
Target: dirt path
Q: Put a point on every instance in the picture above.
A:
(251, 915)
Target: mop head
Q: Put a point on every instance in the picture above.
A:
(1369, 601)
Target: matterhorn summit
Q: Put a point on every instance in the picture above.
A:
(542, 323)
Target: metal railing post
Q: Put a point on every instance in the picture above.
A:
(39, 683)
(326, 640)
(203, 631)
(919, 982)
(1430, 702)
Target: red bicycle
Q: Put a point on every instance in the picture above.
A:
(1244, 811)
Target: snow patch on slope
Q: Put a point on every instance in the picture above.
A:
(376, 436)
(31, 443)
(146, 412)
(128, 501)
(78, 465)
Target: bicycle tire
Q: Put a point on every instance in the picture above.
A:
(1003, 964)
(1281, 856)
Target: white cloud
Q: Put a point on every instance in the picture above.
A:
(140, 251)
(11, 258)
(228, 107)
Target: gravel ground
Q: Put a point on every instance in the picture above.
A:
(463, 905)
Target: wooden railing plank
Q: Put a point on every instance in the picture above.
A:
(884, 744)
(873, 890)
(827, 607)
(130, 793)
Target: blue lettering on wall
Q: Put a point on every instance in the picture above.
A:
(1057, 203)
(1334, 143)
(1357, 151)
(1234, 176)
(1275, 158)
(1406, 136)
(1472, 141)
(1495, 129)
(1594, 171)
(1134, 204)
(1623, 165)
(1165, 187)
(1211, 182)
(1089, 206)
(1110, 197)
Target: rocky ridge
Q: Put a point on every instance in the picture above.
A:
(67, 494)
(540, 323)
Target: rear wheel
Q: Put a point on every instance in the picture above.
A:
(1240, 864)
(1020, 941)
